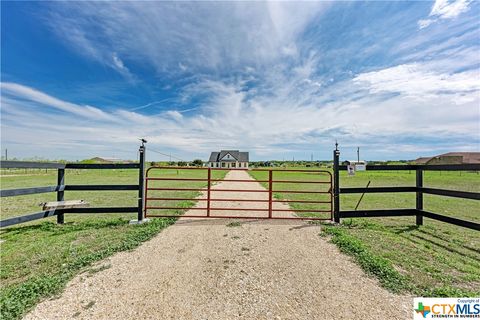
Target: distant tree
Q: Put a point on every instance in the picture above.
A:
(153, 164)
(182, 164)
(197, 162)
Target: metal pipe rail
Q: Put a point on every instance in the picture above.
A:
(209, 200)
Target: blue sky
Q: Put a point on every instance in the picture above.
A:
(281, 80)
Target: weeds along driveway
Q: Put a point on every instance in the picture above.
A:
(216, 269)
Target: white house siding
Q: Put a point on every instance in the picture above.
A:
(229, 165)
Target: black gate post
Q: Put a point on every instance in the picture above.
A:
(419, 196)
(336, 185)
(141, 179)
(60, 193)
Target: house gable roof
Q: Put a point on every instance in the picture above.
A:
(238, 155)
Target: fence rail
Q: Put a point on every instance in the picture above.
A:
(327, 180)
(336, 191)
(419, 190)
(61, 187)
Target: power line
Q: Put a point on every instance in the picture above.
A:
(164, 154)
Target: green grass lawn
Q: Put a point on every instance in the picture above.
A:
(39, 257)
(436, 259)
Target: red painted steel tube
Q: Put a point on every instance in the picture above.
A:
(177, 179)
(288, 191)
(293, 181)
(177, 189)
(270, 204)
(238, 200)
(212, 209)
(146, 198)
(237, 190)
(270, 200)
(297, 210)
(301, 201)
(166, 199)
(235, 180)
(208, 191)
(241, 169)
(236, 217)
(238, 180)
(274, 181)
(220, 190)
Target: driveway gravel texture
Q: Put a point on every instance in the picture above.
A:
(205, 269)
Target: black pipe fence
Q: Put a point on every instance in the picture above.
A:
(61, 187)
(419, 190)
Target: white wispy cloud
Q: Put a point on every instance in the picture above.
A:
(445, 9)
(414, 80)
(30, 94)
(296, 118)
(214, 36)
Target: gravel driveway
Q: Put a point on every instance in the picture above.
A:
(204, 269)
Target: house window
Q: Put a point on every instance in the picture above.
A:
(223, 164)
(233, 165)
(239, 164)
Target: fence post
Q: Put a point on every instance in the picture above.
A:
(270, 193)
(60, 194)
(141, 179)
(419, 196)
(336, 184)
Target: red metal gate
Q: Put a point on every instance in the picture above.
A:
(201, 190)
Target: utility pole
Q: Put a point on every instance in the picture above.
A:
(311, 158)
(6, 154)
(358, 154)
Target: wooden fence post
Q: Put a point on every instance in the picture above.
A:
(60, 194)
(419, 196)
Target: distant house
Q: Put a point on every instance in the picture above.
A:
(232, 159)
(452, 158)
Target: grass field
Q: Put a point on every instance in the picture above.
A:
(436, 259)
(38, 258)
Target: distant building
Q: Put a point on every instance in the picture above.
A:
(232, 159)
(423, 160)
(358, 165)
(451, 158)
(354, 162)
